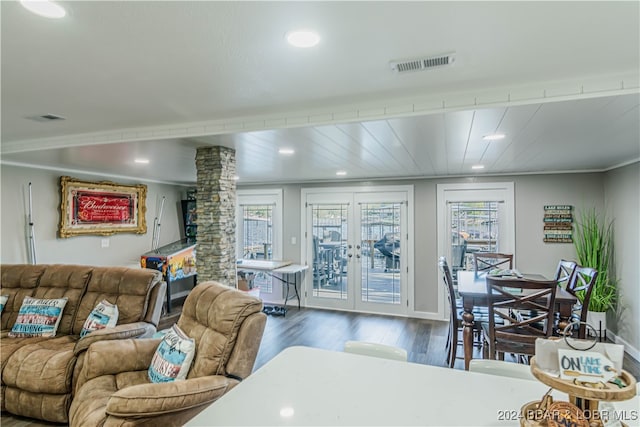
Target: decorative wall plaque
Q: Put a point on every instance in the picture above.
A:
(101, 208)
(558, 224)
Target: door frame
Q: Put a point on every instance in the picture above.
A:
(408, 265)
(499, 191)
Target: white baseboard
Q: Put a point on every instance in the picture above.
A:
(628, 348)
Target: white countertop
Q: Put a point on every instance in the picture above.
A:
(304, 386)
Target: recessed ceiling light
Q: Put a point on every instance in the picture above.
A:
(494, 137)
(45, 8)
(341, 173)
(477, 167)
(287, 151)
(235, 178)
(287, 412)
(142, 161)
(302, 38)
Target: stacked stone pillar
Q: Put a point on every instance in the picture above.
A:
(216, 205)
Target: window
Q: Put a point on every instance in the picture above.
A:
(259, 230)
(474, 228)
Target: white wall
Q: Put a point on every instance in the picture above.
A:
(124, 249)
(622, 200)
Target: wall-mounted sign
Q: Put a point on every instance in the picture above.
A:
(558, 224)
(101, 208)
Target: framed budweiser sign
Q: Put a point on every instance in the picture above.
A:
(101, 208)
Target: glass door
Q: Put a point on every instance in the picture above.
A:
(473, 217)
(328, 219)
(380, 253)
(356, 247)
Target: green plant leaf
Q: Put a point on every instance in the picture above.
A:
(594, 245)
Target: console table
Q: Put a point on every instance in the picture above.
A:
(284, 271)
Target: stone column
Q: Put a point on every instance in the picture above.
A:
(216, 208)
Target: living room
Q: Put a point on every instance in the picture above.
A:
(570, 124)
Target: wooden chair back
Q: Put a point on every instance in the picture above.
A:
(449, 289)
(582, 282)
(527, 309)
(452, 340)
(564, 272)
(487, 261)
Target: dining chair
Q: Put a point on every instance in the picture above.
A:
(486, 261)
(509, 298)
(581, 286)
(376, 350)
(455, 316)
(501, 368)
(564, 272)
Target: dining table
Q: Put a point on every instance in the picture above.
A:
(472, 288)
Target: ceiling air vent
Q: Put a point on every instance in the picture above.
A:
(46, 118)
(421, 64)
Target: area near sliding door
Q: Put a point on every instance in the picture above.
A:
(474, 217)
(359, 247)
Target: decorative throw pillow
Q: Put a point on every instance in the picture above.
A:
(38, 317)
(104, 315)
(173, 357)
(3, 301)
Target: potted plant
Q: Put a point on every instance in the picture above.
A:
(594, 248)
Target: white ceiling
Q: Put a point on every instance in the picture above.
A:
(158, 79)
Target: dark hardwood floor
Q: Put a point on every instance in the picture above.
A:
(424, 340)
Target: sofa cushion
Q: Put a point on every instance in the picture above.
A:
(128, 288)
(104, 315)
(17, 282)
(68, 281)
(38, 317)
(9, 345)
(42, 367)
(49, 407)
(173, 357)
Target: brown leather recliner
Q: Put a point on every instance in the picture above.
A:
(113, 386)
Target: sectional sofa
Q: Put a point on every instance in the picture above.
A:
(39, 373)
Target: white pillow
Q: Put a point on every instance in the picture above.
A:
(173, 357)
(3, 301)
(104, 315)
(38, 317)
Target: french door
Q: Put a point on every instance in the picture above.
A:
(357, 247)
(473, 217)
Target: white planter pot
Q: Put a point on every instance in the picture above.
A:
(597, 319)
